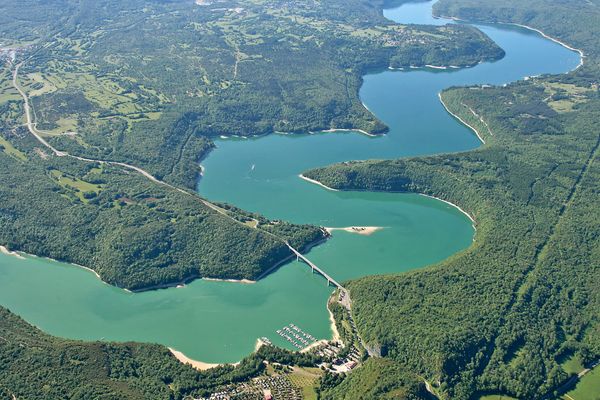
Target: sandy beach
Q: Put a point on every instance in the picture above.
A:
(435, 66)
(313, 345)
(335, 334)
(360, 230)
(317, 183)
(4, 250)
(199, 365)
(246, 281)
(351, 130)
(453, 205)
(202, 366)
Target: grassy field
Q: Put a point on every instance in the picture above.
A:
(9, 149)
(572, 365)
(588, 388)
(78, 186)
(564, 97)
(306, 379)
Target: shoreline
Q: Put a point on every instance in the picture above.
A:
(428, 66)
(204, 366)
(244, 281)
(331, 130)
(555, 40)
(317, 183)
(171, 285)
(4, 250)
(461, 120)
(349, 130)
(404, 192)
(451, 204)
(196, 364)
(21, 255)
(531, 28)
(360, 230)
(88, 269)
(335, 336)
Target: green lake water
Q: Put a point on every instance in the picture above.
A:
(220, 321)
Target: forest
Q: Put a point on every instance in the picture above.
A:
(134, 233)
(511, 314)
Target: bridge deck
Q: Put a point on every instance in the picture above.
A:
(315, 267)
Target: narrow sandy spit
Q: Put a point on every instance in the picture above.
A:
(360, 230)
(317, 183)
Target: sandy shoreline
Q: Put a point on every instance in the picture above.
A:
(20, 256)
(4, 250)
(349, 130)
(453, 205)
(440, 67)
(199, 365)
(89, 269)
(360, 230)
(335, 334)
(461, 120)
(555, 40)
(203, 366)
(317, 183)
(245, 281)
(544, 35)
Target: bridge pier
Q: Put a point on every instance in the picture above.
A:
(314, 268)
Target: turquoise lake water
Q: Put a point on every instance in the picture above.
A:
(220, 321)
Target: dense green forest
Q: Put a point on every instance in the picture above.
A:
(134, 233)
(376, 379)
(512, 312)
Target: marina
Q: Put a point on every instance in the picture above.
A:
(296, 336)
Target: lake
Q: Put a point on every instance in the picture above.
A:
(220, 321)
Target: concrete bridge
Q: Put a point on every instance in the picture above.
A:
(313, 267)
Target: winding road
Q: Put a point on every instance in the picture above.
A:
(31, 126)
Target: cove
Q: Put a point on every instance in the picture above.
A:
(220, 321)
